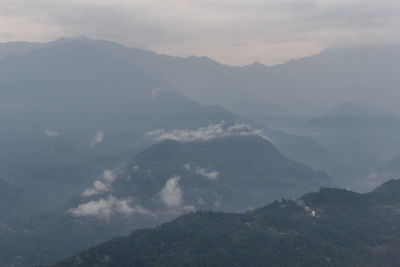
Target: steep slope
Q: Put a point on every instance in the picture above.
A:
(298, 89)
(81, 109)
(234, 171)
(73, 78)
(18, 48)
(362, 135)
(390, 168)
(330, 228)
(225, 173)
(78, 90)
(99, 85)
(68, 112)
(306, 150)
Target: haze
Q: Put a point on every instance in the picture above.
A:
(232, 32)
(199, 133)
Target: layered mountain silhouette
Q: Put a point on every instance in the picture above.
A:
(116, 87)
(80, 92)
(304, 87)
(231, 173)
(361, 135)
(75, 108)
(332, 227)
(392, 166)
(220, 167)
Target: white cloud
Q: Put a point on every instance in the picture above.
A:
(204, 133)
(213, 175)
(51, 133)
(201, 134)
(98, 188)
(302, 204)
(135, 167)
(171, 195)
(97, 138)
(105, 207)
(99, 208)
(187, 167)
(309, 210)
(90, 192)
(109, 175)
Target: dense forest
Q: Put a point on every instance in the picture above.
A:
(333, 227)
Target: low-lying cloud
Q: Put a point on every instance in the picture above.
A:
(103, 185)
(212, 175)
(51, 133)
(98, 188)
(302, 204)
(97, 138)
(104, 208)
(109, 175)
(171, 195)
(205, 133)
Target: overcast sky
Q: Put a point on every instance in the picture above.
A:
(234, 32)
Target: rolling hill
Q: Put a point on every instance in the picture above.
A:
(361, 135)
(332, 227)
(231, 173)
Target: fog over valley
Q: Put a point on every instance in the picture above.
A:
(177, 133)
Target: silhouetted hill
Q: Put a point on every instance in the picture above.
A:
(299, 88)
(234, 171)
(361, 135)
(226, 173)
(333, 227)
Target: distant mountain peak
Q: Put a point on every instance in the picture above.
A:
(348, 108)
(388, 192)
(255, 65)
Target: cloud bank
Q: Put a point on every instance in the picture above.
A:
(104, 208)
(98, 188)
(109, 175)
(101, 186)
(204, 133)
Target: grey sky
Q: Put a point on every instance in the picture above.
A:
(234, 32)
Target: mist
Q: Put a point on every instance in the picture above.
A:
(197, 134)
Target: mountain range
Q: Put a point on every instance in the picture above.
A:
(230, 168)
(304, 87)
(332, 227)
(362, 135)
(82, 107)
(99, 139)
(232, 173)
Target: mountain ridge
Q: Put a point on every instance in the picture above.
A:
(293, 233)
